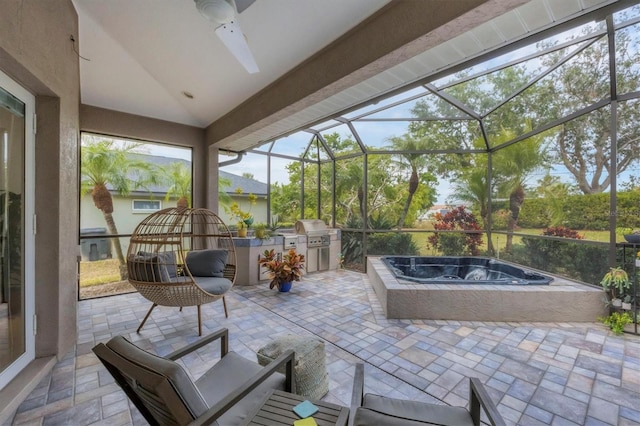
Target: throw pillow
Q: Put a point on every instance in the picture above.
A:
(147, 268)
(166, 259)
(207, 263)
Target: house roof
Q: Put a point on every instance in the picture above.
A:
(248, 185)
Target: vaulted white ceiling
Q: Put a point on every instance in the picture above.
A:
(143, 54)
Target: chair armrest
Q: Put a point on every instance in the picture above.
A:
(287, 359)
(358, 391)
(478, 397)
(222, 334)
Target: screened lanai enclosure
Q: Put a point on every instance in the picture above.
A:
(528, 153)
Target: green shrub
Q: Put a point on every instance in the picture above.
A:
(616, 321)
(391, 243)
(452, 244)
(581, 211)
(500, 220)
(584, 262)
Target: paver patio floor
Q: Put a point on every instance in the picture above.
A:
(537, 373)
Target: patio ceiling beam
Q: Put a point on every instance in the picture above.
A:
(396, 33)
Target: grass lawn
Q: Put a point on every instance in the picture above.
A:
(102, 278)
(99, 272)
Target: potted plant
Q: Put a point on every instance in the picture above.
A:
(260, 230)
(617, 321)
(282, 272)
(626, 302)
(244, 218)
(616, 282)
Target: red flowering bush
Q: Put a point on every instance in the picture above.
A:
(561, 231)
(456, 243)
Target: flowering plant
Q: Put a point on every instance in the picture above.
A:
(244, 218)
(282, 271)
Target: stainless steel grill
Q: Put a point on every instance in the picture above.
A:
(318, 243)
(316, 232)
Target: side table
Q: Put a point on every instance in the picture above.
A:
(277, 409)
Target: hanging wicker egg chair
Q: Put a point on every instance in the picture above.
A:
(182, 257)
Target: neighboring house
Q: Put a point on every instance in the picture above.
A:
(435, 209)
(129, 211)
(248, 186)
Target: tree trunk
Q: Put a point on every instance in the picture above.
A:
(361, 204)
(111, 225)
(485, 221)
(182, 203)
(413, 187)
(516, 199)
(103, 201)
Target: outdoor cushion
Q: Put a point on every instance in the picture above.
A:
(213, 285)
(147, 268)
(165, 371)
(207, 263)
(230, 372)
(367, 417)
(391, 411)
(166, 258)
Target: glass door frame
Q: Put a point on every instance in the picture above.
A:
(28, 99)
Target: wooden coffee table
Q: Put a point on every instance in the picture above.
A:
(277, 409)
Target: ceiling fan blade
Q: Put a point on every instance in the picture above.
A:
(241, 5)
(233, 38)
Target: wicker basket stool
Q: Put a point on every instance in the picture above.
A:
(310, 372)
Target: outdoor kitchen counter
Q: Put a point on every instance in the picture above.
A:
(249, 250)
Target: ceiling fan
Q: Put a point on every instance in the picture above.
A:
(224, 13)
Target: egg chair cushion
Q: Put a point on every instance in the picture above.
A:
(214, 285)
(207, 263)
(148, 269)
(167, 259)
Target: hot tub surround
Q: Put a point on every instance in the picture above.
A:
(562, 300)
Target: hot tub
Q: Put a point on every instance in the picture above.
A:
(444, 295)
(461, 270)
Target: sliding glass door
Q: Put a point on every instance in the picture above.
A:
(16, 229)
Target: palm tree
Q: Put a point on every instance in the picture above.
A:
(104, 165)
(473, 187)
(552, 189)
(223, 197)
(514, 164)
(411, 159)
(178, 178)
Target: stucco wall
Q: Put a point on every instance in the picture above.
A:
(36, 51)
(126, 219)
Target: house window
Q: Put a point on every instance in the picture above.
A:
(146, 206)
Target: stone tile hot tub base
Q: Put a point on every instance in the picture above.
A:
(562, 300)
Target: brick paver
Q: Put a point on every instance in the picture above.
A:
(537, 373)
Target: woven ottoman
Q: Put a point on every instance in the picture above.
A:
(311, 374)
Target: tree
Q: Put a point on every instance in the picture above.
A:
(473, 187)
(413, 160)
(513, 166)
(105, 166)
(178, 179)
(583, 145)
(551, 188)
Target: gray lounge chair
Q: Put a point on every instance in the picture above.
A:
(375, 410)
(165, 395)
